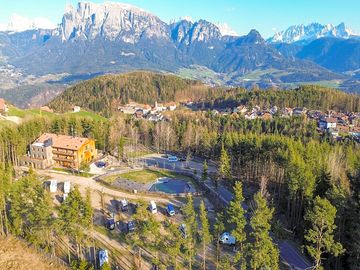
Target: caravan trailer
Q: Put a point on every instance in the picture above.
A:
(53, 186)
(152, 207)
(67, 187)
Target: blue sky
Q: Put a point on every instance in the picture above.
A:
(264, 15)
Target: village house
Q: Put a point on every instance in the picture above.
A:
(273, 110)
(299, 111)
(3, 107)
(241, 109)
(127, 109)
(286, 112)
(59, 150)
(139, 114)
(159, 107)
(327, 123)
(171, 106)
(266, 116)
(155, 117)
(76, 109)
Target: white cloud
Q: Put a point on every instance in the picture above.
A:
(226, 30)
(18, 23)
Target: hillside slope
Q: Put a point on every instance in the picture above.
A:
(17, 256)
(105, 93)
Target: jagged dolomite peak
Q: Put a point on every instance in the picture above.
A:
(111, 21)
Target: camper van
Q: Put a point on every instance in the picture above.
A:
(227, 239)
(152, 207)
(170, 210)
(53, 186)
(124, 205)
(67, 187)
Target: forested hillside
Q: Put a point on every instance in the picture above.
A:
(309, 96)
(105, 93)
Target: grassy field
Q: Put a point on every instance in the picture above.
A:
(87, 114)
(13, 111)
(145, 176)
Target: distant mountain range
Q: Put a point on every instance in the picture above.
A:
(104, 38)
(307, 33)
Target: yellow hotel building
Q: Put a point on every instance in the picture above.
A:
(60, 150)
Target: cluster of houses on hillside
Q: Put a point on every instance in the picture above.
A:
(331, 122)
(3, 107)
(144, 111)
(256, 112)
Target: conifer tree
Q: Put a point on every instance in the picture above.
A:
(191, 229)
(262, 251)
(204, 174)
(320, 235)
(237, 220)
(224, 163)
(219, 228)
(204, 232)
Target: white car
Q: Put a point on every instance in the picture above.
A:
(124, 205)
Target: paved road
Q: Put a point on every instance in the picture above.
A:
(288, 252)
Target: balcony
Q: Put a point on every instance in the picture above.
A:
(66, 153)
(64, 159)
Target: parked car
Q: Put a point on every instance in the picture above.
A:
(170, 210)
(110, 224)
(182, 230)
(131, 226)
(227, 239)
(152, 207)
(124, 205)
(100, 164)
(173, 158)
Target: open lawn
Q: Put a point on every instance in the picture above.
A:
(91, 115)
(145, 176)
(13, 111)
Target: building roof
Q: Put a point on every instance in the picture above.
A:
(2, 104)
(63, 141)
(329, 120)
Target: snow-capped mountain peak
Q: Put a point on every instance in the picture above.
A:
(307, 33)
(226, 30)
(111, 21)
